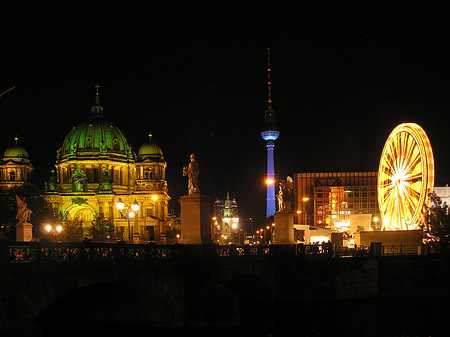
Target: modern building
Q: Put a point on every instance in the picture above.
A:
(328, 199)
(96, 171)
(226, 219)
(444, 193)
(15, 167)
(270, 134)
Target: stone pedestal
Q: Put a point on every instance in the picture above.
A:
(284, 228)
(24, 232)
(196, 228)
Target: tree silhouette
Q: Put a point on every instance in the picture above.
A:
(101, 230)
(438, 218)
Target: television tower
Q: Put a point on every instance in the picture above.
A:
(270, 134)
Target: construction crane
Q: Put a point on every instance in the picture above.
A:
(4, 92)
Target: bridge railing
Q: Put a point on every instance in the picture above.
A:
(246, 250)
(376, 250)
(42, 252)
(60, 252)
(49, 252)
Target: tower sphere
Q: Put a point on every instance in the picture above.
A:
(270, 135)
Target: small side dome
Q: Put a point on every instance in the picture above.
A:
(150, 150)
(15, 151)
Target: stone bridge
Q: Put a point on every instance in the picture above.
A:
(71, 285)
(158, 286)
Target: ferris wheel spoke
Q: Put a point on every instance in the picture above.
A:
(387, 170)
(413, 163)
(387, 196)
(412, 179)
(390, 162)
(405, 160)
(403, 146)
(411, 148)
(412, 197)
(390, 202)
(386, 184)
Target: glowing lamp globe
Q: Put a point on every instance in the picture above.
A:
(120, 204)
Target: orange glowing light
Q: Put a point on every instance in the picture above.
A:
(405, 177)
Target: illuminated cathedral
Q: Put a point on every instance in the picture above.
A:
(15, 167)
(96, 173)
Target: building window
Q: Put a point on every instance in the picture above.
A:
(151, 212)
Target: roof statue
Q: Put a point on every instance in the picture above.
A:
(23, 213)
(192, 171)
(106, 183)
(284, 196)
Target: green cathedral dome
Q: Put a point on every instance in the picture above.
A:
(15, 152)
(150, 150)
(96, 138)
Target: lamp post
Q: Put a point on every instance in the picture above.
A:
(131, 213)
(234, 227)
(303, 211)
(53, 230)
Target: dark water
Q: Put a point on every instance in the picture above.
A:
(418, 316)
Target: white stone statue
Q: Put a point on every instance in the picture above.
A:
(23, 213)
(280, 198)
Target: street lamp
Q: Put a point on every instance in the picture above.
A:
(53, 230)
(130, 214)
(303, 211)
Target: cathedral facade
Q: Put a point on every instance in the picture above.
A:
(95, 172)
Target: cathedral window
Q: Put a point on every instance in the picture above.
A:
(88, 143)
(12, 175)
(151, 212)
(116, 145)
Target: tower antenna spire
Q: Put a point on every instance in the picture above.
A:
(269, 83)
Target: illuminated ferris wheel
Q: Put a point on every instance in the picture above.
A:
(405, 177)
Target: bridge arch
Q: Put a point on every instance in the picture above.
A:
(116, 303)
(157, 295)
(250, 288)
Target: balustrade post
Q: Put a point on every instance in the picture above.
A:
(86, 249)
(4, 253)
(121, 251)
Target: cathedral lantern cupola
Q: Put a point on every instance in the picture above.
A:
(150, 165)
(15, 167)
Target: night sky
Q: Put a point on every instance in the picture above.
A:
(342, 78)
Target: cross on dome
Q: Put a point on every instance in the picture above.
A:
(97, 109)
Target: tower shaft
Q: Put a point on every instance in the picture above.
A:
(270, 179)
(270, 134)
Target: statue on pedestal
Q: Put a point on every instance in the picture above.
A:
(192, 171)
(24, 230)
(23, 213)
(285, 195)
